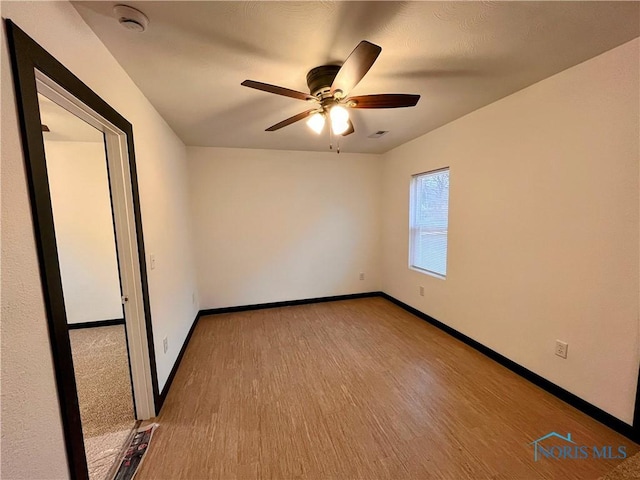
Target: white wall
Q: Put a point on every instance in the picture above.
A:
(84, 230)
(543, 227)
(278, 225)
(32, 442)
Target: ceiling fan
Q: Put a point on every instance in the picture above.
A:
(329, 86)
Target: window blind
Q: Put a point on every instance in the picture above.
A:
(430, 221)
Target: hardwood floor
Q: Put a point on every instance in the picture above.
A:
(356, 389)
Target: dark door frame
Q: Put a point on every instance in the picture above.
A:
(26, 57)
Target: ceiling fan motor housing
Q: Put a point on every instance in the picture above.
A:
(319, 79)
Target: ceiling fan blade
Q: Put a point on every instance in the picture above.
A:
(350, 130)
(355, 67)
(384, 100)
(265, 87)
(290, 120)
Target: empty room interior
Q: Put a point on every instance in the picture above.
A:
(320, 240)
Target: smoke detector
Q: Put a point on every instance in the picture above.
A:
(130, 18)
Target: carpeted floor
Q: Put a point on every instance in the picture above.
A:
(627, 470)
(104, 390)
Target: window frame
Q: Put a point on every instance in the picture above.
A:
(413, 185)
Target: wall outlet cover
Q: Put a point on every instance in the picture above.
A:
(562, 348)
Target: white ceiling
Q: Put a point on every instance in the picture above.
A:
(458, 56)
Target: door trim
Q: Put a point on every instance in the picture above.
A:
(119, 178)
(27, 57)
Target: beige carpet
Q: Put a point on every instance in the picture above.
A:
(627, 470)
(104, 452)
(104, 390)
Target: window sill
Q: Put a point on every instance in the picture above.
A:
(428, 272)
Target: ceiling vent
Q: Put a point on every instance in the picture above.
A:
(130, 18)
(379, 133)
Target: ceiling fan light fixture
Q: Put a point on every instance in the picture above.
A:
(339, 127)
(339, 114)
(316, 122)
(339, 119)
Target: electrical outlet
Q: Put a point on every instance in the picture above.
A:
(193, 298)
(562, 348)
(165, 344)
(152, 261)
(421, 290)
(361, 275)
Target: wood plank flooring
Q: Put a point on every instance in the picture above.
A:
(356, 389)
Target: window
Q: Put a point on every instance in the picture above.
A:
(429, 221)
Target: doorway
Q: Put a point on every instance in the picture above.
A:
(76, 162)
(39, 76)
